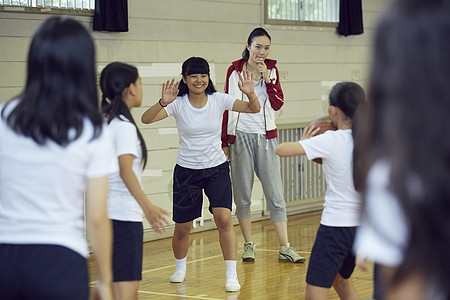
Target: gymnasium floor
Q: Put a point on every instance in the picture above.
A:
(266, 278)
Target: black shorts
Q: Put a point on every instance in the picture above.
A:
(127, 250)
(188, 186)
(330, 255)
(42, 272)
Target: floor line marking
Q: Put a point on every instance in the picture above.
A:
(169, 266)
(199, 260)
(187, 262)
(179, 295)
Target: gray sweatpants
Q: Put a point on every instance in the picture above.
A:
(253, 153)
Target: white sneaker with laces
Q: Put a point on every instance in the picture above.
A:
(288, 254)
(249, 252)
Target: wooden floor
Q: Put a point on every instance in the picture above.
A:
(266, 278)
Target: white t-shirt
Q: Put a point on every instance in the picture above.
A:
(383, 233)
(255, 123)
(342, 203)
(42, 187)
(199, 130)
(121, 204)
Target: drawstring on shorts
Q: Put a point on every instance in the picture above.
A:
(260, 135)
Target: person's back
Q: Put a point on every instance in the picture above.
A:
(332, 262)
(42, 187)
(342, 203)
(55, 157)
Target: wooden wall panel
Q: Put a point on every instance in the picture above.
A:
(310, 60)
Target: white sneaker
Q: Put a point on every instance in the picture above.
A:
(177, 277)
(232, 285)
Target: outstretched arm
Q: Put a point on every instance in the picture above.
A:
(289, 149)
(295, 148)
(248, 88)
(156, 112)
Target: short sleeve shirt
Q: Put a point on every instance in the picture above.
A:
(199, 130)
(342, 202)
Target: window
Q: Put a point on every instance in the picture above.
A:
(59, 4)
(291, 12)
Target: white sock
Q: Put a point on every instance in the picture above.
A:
(180, 270)
(180, 265)
(231, 270)
(232, 283)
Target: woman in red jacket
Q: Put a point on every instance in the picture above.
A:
(249, 141)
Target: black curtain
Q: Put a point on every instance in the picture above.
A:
(111, 15)
(350, 17)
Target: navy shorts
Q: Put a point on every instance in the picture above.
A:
(42, 272)
(127, 250)
(188, 185)
(330, 255)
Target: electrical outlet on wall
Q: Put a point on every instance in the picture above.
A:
(284, 75)
(356, 75)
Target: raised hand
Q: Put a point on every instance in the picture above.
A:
(169, 91)
(246, 83)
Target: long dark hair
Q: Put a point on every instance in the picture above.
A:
(114, 79)
(195, 65)
(409, 98)
(351, 100)
(259, 31)
(60, 90)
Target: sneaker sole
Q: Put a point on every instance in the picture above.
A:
(232, 288)
(248, 259)
(289, 259)
(176, 280)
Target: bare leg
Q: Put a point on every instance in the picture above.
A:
(126, 290)
(316, 293)
(180, 247)
(345, 288)
(228, 243)
(181, 239)
(227, 235)
(246, 229)
(281, 230)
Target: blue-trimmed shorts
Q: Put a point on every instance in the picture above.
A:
(42, 272)
(188, 185)
(127, 250)
(330, 255)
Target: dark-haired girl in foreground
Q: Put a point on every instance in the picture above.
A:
(201, 163)
(55, 158)
(405, 227)
(121, 91)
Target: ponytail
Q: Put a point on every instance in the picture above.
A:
(114, 79)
